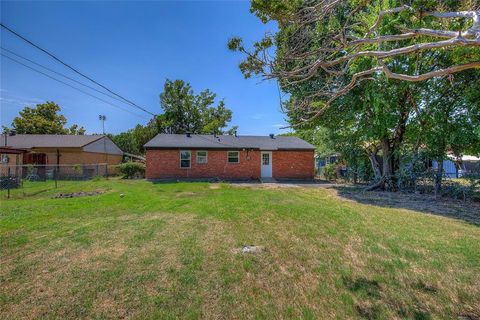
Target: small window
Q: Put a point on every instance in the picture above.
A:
(185, 157)
(202, 157)
(265, 159)
(233, 157)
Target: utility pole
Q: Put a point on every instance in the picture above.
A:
(102, 118)
(10, 133)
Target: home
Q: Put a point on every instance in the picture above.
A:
(196, 156)
(49, 150)
(456, 167)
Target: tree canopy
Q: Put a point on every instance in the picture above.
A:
(340, 44)
(182, 111)
(43, 119)
(374, 79)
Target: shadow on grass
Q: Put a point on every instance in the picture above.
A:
(372, 303)
(370, 288)
(451, 208)
(21, 193)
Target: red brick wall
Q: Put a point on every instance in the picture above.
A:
(293, 164)
(165, 164)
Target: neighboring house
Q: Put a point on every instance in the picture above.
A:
(191, 156)
(13, 157)
(57, 150)
(322, 161)
(456, 168)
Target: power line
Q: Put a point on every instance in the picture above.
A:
(69, 85)
(62, 75)
(74, 69)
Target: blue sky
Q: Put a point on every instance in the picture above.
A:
(132, 47)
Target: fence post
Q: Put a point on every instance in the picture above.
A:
(106, 170)
(8, 182)
(55, 177)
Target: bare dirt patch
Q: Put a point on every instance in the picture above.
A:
(287, 184)
(78, 194)
(187, 194)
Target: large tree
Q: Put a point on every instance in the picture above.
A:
(43, 119)
(351, 66)
(447, 120)
(133, 140)
(184, 111)
(343, 43)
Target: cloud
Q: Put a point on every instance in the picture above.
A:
(279, 125)
(19, 101)
(256, 116)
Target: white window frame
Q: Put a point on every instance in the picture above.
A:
(189, 159)
(228, 156)
(206, 157)
(269, 158)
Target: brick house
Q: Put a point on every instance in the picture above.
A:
(192, 156)
(50, 150)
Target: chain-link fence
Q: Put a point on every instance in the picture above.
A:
(32, 177)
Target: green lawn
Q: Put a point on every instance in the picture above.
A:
(167, 251)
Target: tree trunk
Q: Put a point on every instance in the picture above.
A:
(354, 172)
(386, 181)
(375, 166)
(388, 166)
(438, 177)
(390, 148)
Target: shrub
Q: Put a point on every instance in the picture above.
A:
(362, 171)
(132, 170)
(330, 171)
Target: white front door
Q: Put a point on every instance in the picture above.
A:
(266, 163)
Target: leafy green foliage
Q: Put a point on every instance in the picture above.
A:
(43, 119)
(131, 170)
(330, 171)
(184, 111)
(133, 140)
(378, 119)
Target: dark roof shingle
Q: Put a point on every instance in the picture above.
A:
(196, 141)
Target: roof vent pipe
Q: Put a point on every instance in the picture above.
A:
(272, 136)
(188, 135)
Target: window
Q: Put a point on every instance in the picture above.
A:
(185, 157)
(233, 157)
(202, 157)
(265, 159)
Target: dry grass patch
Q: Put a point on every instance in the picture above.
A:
(166, 251)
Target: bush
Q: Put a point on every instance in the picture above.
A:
(363, 172)
(330, 171)
(132, 170)
(467, 187)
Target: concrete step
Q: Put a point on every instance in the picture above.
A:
(267, 180)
